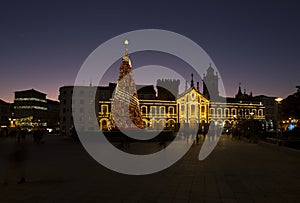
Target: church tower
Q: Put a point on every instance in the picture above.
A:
(239, 95)
(126, 109)
(210, 83)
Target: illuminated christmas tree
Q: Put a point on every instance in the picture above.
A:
(126, 110)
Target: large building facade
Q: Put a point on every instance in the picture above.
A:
(162, 107)
(77, 100)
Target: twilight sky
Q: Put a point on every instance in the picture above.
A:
(44, 43)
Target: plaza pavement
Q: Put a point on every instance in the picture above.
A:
(60, 170)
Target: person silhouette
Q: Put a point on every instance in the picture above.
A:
(16, 162)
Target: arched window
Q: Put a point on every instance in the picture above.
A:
(233, 111)
(241, 112)
(162, 110)
(152, 110)
(104, 109)
(219, 112)
(247, 112)
(193, 110)
(182, 109)
(212, 111)
(226, 112)
(171, 110)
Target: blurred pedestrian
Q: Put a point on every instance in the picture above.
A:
(16, 163)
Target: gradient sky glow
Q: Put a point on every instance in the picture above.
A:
(44, 43)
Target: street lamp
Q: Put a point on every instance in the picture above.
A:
(278, 101)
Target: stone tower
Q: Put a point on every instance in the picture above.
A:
(167, 89)
(210, 84)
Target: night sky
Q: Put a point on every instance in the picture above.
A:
(43, 44)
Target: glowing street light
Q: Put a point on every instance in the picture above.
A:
(278, 101)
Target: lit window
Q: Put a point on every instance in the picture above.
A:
(193, 110)
(31, 99)
(171, 110)
(182, 109)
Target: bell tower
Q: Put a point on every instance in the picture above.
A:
(210, 83)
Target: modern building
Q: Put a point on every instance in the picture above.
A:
(53, 108)
(32, 110)
(5, 113)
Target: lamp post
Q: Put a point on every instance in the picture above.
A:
(278, 102)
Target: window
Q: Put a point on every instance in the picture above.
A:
(233, 111)
(171, 110)
(241, 112)
(104, 109)
(81, 110)
(202, 109)
(219, 112)
(212, 111)
(162, 110)
(182, 109)
(144, 110)
(152, 110)
(193, 110)
(247, 112)
(227, 112)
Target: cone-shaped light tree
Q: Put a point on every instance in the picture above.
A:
(126, 110)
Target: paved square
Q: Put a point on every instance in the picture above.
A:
(60, 170)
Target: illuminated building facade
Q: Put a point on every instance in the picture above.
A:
(233, 111)
(161, 107)
(31, 110)
(156, 113)
(192, 108)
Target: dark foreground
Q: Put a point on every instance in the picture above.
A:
(60, 170)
